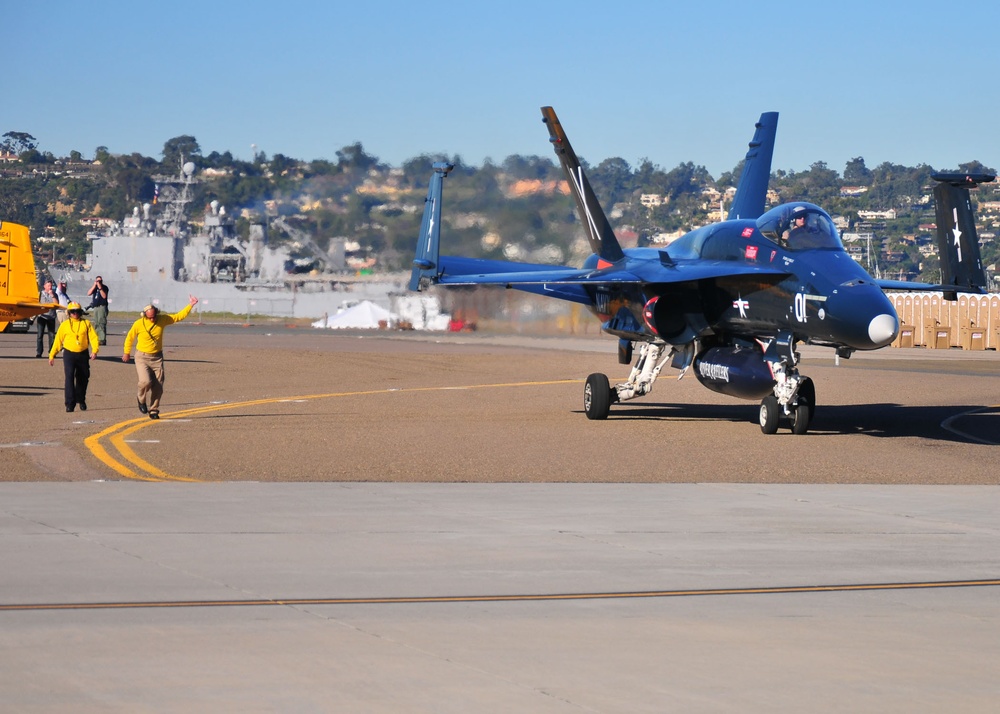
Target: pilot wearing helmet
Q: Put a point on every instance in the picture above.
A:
(78, 340)
(797, 227)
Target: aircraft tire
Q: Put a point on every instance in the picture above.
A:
(597, 396)
(806, 407)
(770, 412)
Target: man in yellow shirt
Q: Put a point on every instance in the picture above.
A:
(147, 335)
(75, 337)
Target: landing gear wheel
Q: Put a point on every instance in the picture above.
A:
(597, 396)
(805, 408)
(769, 414)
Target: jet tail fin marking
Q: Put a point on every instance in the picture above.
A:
(428, 255)
(751, 191)
(602, 238)
(958, 243)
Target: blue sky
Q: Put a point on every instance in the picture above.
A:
(906, 82)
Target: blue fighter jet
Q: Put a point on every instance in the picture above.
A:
(733, 299)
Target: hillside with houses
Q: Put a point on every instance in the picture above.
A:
(519, 209)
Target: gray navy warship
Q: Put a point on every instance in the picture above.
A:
(163, 258)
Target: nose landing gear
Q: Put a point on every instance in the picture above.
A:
(798, 408)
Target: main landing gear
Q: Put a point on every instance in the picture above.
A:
(791, 402)
(599, 395)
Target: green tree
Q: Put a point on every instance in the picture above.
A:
(353, 157)
(856, 173)
(179, 150)
(685, 178)
(612, 181)
(18, 142)
(529, 168)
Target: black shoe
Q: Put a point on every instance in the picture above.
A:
(38, 355)
(142, 407)
(154, 415)
(69, 409)
(102, 343)
(83, 406)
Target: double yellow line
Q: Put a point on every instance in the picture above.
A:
(110, 446)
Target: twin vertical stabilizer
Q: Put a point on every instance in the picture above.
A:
(428, 256)
(751, 191)
(958, 243)
(602, 238)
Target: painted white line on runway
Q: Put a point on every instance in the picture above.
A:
(946, 425)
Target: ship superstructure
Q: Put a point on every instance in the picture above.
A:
(161, 255)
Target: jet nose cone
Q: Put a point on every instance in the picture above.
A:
(862, 317)
(883, 329)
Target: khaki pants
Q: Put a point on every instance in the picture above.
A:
(100, 323)
(149, 368)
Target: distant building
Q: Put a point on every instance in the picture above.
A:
(711, 195)
(666, 238)
(95, 222)
(875, 215)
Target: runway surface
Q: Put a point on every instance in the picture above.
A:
(413, 525)
(275, 404)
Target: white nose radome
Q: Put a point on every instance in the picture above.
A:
(883, 329)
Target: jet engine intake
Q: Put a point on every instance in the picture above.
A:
(667, 320)
(738, 372)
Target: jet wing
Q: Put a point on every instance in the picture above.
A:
(907, 286)
(574, 276)
(471, 271)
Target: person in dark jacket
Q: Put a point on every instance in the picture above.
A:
(99, 308)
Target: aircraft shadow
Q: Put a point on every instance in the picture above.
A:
(878, 420)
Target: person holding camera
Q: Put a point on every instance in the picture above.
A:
(99, 308)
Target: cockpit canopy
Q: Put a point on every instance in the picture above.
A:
(800, 226)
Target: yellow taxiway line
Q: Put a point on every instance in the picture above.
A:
(125, 462)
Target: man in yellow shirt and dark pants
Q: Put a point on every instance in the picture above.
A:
(75, 337)
(147, 335)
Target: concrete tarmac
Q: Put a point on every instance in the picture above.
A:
(431, 525)
(378, 597)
